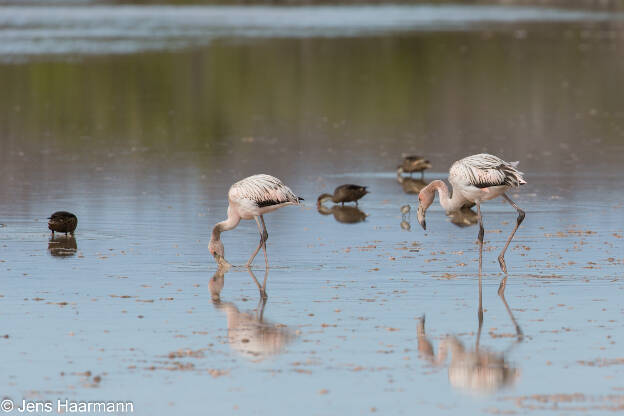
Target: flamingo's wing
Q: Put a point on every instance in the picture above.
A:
(263, 190)
(485, 170)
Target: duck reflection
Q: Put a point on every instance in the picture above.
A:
(411, 185)
(248, 333)
(344, 214)
(63, 246)
(480, 371)
(465, 217)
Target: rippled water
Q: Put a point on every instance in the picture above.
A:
(97, 29)
(142, 147)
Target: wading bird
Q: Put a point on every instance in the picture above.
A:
(62, 222)
(344, 193)
(248, 199)
(475, 179)
(413, 164)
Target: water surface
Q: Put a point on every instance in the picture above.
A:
(143, 147)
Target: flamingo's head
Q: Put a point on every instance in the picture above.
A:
(217, 250)
(425, 199)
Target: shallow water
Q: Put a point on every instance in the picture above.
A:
(143, 147)
(27, 31)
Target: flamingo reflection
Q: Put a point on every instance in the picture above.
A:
(480, 370)
(465, 217)
(248, 333)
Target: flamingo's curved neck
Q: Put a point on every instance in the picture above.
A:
(231, 222)
(449, 203)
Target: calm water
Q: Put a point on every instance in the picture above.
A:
(142, 135)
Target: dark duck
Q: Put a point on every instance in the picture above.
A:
(413, 164)
(344, 193)
(62, 222)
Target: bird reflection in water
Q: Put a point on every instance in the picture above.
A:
(62, 246)
(344, 214)
(465, 217)
(405, 217)
(480, 371)
(411, 185)
(248, 333)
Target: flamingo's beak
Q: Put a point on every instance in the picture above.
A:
(222, 262)
(421, 216)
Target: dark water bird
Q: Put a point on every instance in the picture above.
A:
(248, 199)
(346, 215)
(344, 193)
(63, 246)
(62, 222)
(405, 209)
(475, 179)
(413, 164)
(411, 185)
(248, 333)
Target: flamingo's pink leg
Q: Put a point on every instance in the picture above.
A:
(265, 236)
(501, 256)
(480, 236)
(253, 256)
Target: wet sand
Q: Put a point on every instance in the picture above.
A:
(124, 311)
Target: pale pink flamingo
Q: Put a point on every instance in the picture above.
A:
(248, 199)
(475, 179)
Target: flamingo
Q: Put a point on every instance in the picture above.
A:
(248, 199)
(475, 179)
